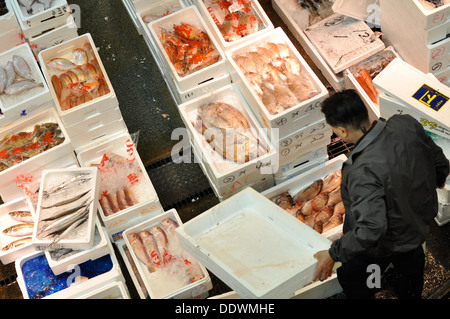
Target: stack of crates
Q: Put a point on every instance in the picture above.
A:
(44, 27)
(419, 34)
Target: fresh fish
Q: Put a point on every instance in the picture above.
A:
(161, 242)
(230, 27)
(130, 196)
(17, 243)
(27, 4)
(47, 3)
(67, 231)
(22, 86)
(121, 199)
(169, 226)
(19, 230)
(113, 202)
(248, 24)
(80, 56)
(270, 101)
(335, 196)
(315, 204)
(322, 218)
(337, 218)
(246, 63)
(3, 80)
(89, 51)
(61, 64)
(284, 200)
(285, 97)
(22, 216)
(10, 72)
(76, 180)
(304, 196)
(22, 68)
(64, 222)
(331, 181)
(215, 120)
(106, 207)
(138, 247)
(151, 248)
(67, 201)
(63, 213)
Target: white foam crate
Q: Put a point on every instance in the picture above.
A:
(132, 269)
(80, 288)
(84, 236)
(159, 285)
(113, 290)
(11, 39)
(301, 156)
(54, 37)
(425, 97)
(25, 113)
(300, 161)
(351, 82)
(443, 76)
(343, 41)
(59, 9)
(239, 241)
(14, 105)
(222, 171)
(9, 256)
(361, 9)
(192, 16)
(94, 121)
(260, 15)
(63, 150)
(305, 179)
(149, 202)
(281, 177)
(443, 216)
(99, 249)
(335, 80)
(320, 126)
(8, 21)
(292, 119)
(80, 112)
(444, 194)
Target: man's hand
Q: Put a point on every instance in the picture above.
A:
(325, 265)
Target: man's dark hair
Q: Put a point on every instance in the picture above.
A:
(345, 109)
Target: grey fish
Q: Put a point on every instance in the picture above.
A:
(47, 3)
(22, 68)
(27, 4)
(3, 79)
(66, 201)
(68, 230)
(67, 211)
(22, 86)
(64, 222)
(10, 72)
(80, 179)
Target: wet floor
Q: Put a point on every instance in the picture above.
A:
(149, 110)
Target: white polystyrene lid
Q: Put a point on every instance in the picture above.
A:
(417, 89)
(359, 9)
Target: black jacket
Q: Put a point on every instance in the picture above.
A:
(389, 190)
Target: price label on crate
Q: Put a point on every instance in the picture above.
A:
(430, 97)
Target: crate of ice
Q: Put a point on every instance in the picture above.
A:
(66, 209)
(165, 268)
(253, 246)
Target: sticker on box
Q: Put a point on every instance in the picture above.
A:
(431, 97)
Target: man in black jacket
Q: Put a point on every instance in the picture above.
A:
(389, 192)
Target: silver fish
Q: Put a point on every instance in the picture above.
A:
(67, 211)
(66, 201)
(3, 80)
(47, 3)
(10, 72)
(64, 222)
(78, 179)
(27, 4)
(68, 230)
(22, 68)
(22, 86)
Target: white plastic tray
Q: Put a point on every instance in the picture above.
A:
(253, 246)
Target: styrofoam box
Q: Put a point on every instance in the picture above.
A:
(99, 249)
(159, 284)
(359, 10)
(420, 15)
(351, 82)
(282, 176)
(82, 111)
(94, 121)
(297, 161)
(443, 75)
(131, 267)
(83, 238)
(59, 8)
(292, 119)
(302, 181)
(113, 290)
(29, 32)
(14, 105)
(300, 156)
(8, 176)
(335, 80)
(252, 245)
(438, 33)
(6, 221)
(221, 170)
(149, 201)
(54, 37)
(443, 216)
(317, 127)
(444, 194)
(27, 112)
(415, 89)
(10, 39)
(114, 275)
(8, 21)
(264, 21)
(188, 15)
